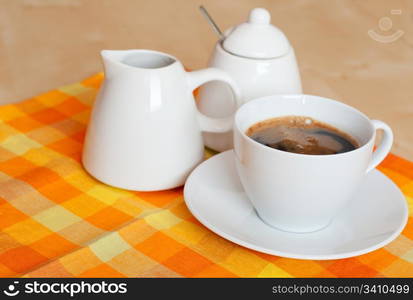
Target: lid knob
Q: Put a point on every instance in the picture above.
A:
(256, 38)
(259, 16)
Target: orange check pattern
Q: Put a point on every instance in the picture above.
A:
(57, 221)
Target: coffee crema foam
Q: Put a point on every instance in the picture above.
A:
(301, 134)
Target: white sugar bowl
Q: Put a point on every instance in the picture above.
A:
(260, 59)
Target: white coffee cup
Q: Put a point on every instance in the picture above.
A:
(300, 192)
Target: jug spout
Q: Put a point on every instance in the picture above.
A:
(112, 61)
(116, 55)
(132, 60)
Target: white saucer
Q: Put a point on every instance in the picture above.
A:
(375, 217)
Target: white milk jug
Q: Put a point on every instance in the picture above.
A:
(145, 131)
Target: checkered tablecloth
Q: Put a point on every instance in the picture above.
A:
(57, 221)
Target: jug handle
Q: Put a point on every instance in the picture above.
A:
(198, 78)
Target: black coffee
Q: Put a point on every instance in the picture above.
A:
(299, 134)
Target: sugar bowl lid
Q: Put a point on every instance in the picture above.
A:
(256, 38)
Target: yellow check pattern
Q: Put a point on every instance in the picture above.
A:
(57, 221)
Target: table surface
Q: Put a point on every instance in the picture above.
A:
(58, 221)
(336, 56)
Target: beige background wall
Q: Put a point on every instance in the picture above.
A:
(48, 43)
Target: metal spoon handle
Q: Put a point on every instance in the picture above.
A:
(211, 22)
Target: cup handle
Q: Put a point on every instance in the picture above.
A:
(197, 78)
(384, 148)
